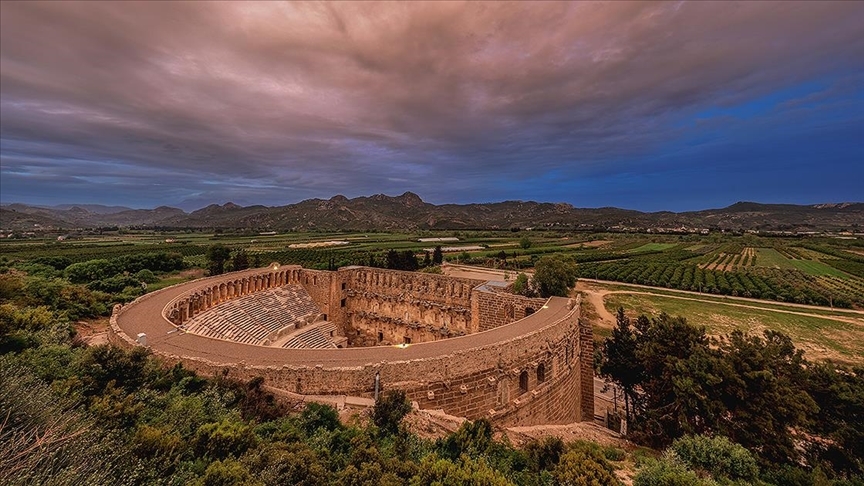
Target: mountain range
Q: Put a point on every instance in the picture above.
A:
(410, 212)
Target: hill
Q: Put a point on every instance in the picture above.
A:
(409, 212)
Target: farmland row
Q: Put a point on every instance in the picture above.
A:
(788, 285)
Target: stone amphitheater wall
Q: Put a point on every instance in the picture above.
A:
(544, 375)
(493, 308)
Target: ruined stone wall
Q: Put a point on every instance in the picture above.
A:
(491, 308)
(544, 375)
(531, 379)
(319, 286)
(389, 306)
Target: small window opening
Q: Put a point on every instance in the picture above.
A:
(523, 382)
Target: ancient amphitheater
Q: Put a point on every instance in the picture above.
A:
(468, 347)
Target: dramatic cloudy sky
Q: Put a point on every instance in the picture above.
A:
(640, 105)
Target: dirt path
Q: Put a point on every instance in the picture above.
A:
(596, 299)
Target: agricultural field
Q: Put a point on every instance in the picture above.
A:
(836, 336)
(817, 271)
(821, 274)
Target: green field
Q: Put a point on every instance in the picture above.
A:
(723, 300)
(819, 337)
(818, 271)
(652, 247)
(769, 257)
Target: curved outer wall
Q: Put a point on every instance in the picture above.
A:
(535, 370)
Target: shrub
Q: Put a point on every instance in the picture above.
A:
(670, 470)
(225, 438)
(146, 276)
(716, 455)
(463, 472)
(544, 454)
(316, 416)
(294, 464)
(472, 439)
(227, 473)
(578, 468)
(389, 410)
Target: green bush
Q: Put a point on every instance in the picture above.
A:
(465, 471)
(227, 473)
(146, 276)
(225, 438)
(317, 416)
(544, 454)
(578, 468)
(716, 455)
(295, 464)
(669, 470)
(471, 438)
(389, 411)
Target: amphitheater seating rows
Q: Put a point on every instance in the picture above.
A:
(251, 318)
(317, 336)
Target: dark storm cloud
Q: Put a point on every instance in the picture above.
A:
(151, 103)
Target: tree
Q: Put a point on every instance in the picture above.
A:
(409, 261)
(554, 276)
(762, 391)
(404, 260)
(522, 286)
(240, 261)
(618, 359)
(839, 391)
(470, 439)
(393, 260)
(544, 454)
(217, 255)
(220, 440)
(389, 411)
(427, 259)
(464, 471)
(316, 416)
(227, 473)
(525, 242)
(437, 255)
(677, 380)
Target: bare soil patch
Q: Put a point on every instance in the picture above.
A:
(92, 333)
(480, 273)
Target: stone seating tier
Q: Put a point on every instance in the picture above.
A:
(253, 318)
